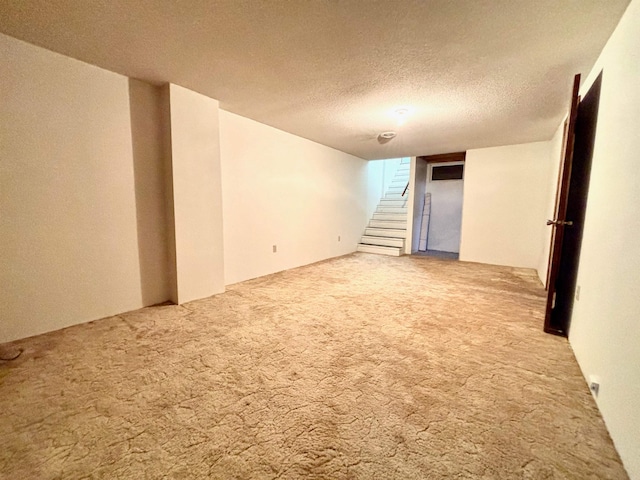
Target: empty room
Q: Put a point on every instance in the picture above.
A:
(289, 239)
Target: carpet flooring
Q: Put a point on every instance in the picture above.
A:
(360, 367)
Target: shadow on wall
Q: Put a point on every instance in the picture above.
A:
(145, 104)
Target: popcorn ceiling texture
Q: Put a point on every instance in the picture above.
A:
(477, 73)
(360, 367)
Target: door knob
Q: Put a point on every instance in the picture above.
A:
(558, 223)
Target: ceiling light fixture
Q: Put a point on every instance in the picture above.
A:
(401, 115)
(388, 135)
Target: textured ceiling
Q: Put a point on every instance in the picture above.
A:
(473, 73)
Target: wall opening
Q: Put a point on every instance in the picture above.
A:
(438, 205)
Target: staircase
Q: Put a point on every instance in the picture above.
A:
(387, 229)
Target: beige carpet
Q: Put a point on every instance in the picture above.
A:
(361, 367)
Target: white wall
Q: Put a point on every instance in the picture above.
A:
(556, 154)
(67, 193)
(375, 180)
(446, 212)
(504, 206)
(280, 189)
(197, 194)
(605, 325)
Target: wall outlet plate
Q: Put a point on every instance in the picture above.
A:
(594, 385)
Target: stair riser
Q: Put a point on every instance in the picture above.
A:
(388, 224)
(392, 251)
(387, 242)
(396, 217)
(397, 210)
(386, 202)
(385, 232)
(396, 196)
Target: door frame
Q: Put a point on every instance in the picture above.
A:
(452, 157)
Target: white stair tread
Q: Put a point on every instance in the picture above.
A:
(393, 251)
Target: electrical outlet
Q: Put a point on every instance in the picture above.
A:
(578, 293)
(594, 385)
(275, 249)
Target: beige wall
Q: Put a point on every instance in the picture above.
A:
(197, 194)
(68, 225)
(605, 326)
(504, 204)
(279, 189)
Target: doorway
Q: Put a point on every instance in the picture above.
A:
(438, 205)
(569, 224)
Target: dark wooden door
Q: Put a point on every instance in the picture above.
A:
(562, 196)
(571, 207)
